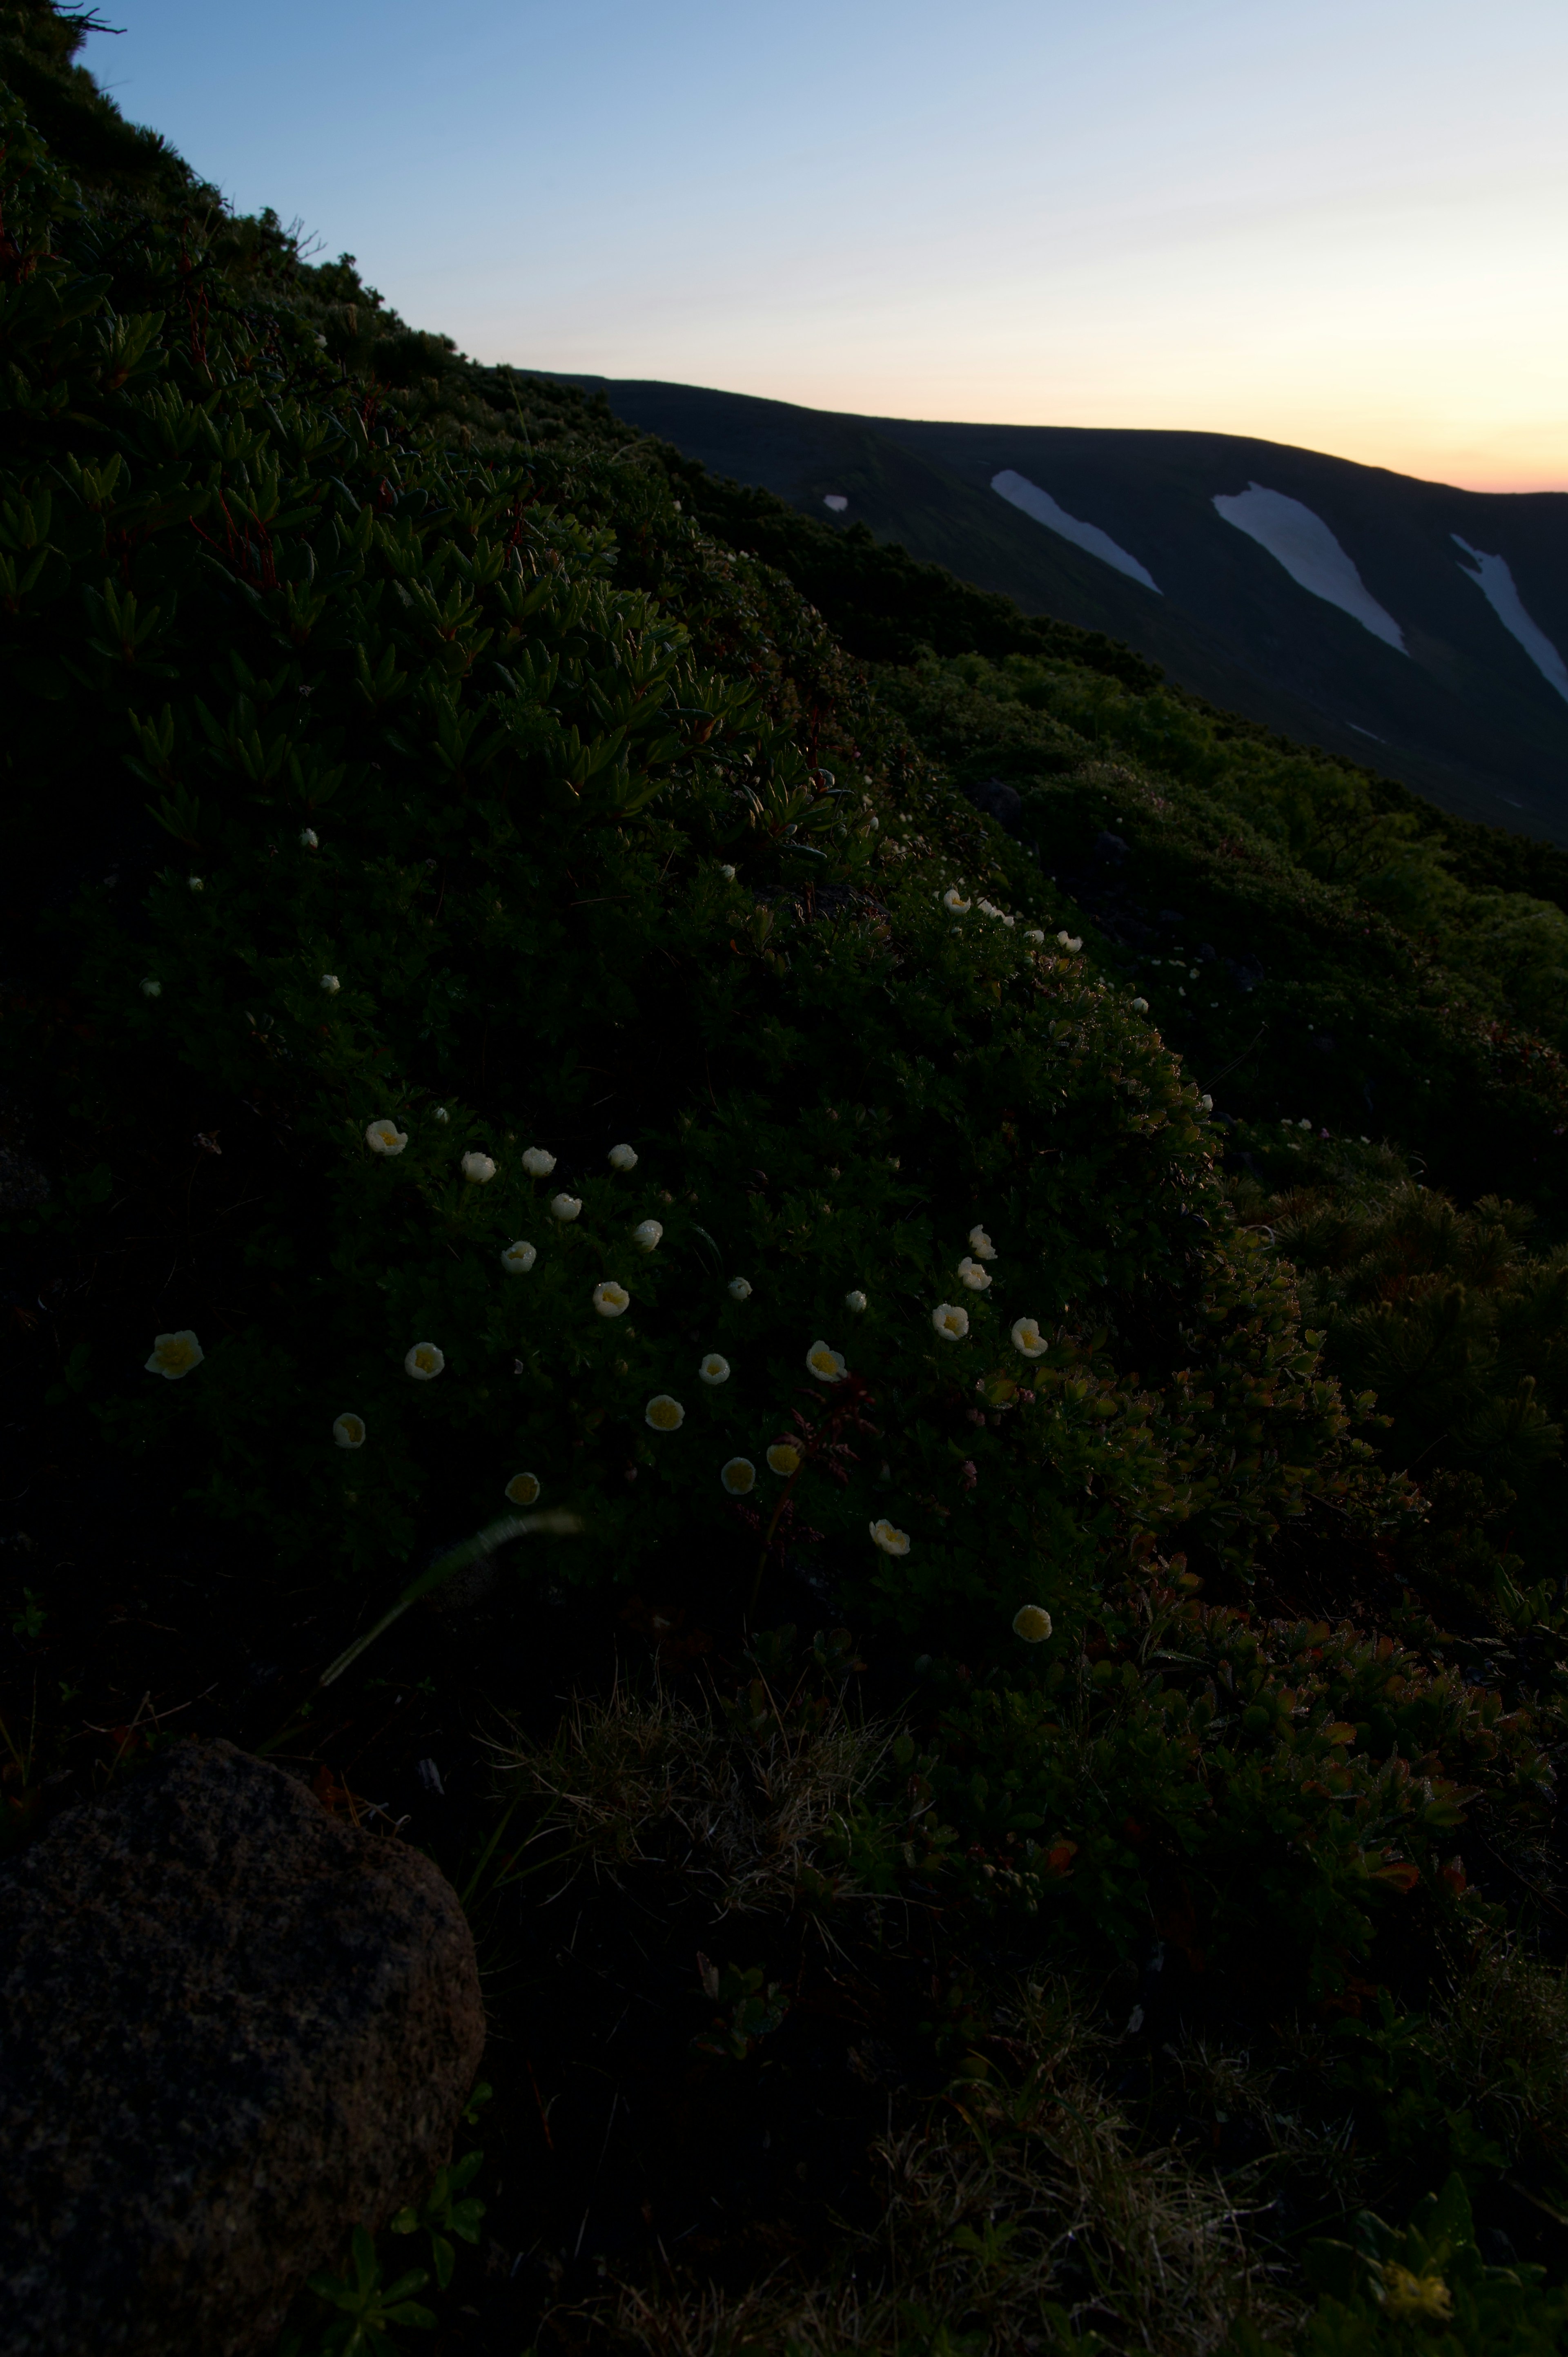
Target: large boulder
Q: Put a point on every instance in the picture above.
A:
(232, 2027)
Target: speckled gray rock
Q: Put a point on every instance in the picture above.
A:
(231, 2027)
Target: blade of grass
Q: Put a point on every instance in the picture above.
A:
(485, 1542)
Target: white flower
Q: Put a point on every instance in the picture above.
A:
(738, 1476)
(537, 1162)
(950, 1322)
(195, 883)
(891, 1540)
(1304, 1124)
(728, 875)
(989, 908)
(424, 1362)
(1032, 1623)
(1207, 1103)
(175, 1355)
(522, 1488)
(1028, 1339)
(151, 989)
(665, 1414)
(310, 838)
(981, 1246)
(855, 1301)
(611, 1299)
(1033, 934)
(1140, 1007)
(953, 900)
(330, 985)
(623, 1158)
(517, 1259)
(739, 1290)
(385, 1137)
(478, 1170)
(971, 1274)
(349, 1431)
(713, 1369)
(783, 1458)
(646, 1235)
(442, 1116)
(827, 1366)
(565, 1207)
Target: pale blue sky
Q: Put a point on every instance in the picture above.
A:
(1343, 224)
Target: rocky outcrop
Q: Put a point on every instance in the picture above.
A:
(231, 2028)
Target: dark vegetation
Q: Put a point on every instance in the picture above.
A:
(1092, 1138)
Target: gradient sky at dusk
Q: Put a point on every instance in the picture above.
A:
(1343, 224)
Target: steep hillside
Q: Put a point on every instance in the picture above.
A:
(1422, 631)
(864, 1311)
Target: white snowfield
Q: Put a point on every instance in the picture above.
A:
(1309, 552)
(1495, 581)
(1020, 492)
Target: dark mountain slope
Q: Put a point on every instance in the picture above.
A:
(404, 762)
(1465, 716)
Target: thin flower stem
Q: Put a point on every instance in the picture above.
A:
(768, 1536)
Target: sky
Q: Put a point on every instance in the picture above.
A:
(1338, 223)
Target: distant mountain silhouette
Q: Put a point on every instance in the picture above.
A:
(1415, 629)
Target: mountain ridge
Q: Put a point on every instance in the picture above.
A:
(1463, 715)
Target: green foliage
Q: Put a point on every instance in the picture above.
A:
(1459, 1327)
(1425, 2287)
(421, 799)
(475, 844)
(446, 2210)
(1194, 1768)
(38, 44)
(369, 2309)
(1300, 931)
(1482, 2078)
(752, 2006)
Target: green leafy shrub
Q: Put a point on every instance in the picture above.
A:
(1459, 1327)
(1428, 2286)
(482, 873)
(1480, 2078)
(1301, 933)
(1197, 1768)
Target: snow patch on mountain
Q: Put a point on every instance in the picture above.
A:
(836, 501)
(1303, 543)
(1020, 492)
(1494, 579)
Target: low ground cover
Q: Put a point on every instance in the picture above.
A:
(606, 1266)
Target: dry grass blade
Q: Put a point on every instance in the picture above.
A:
(751, 1802)
(1019, 2218)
